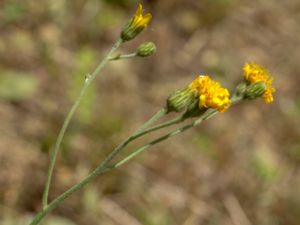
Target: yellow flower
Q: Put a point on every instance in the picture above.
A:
(255, 73)
(136, 24)
(211, 93)
(139, 20)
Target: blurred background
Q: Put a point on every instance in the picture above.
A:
(240, 168)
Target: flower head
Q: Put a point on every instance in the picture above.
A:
(136, 24)
(211, 93)
(202, 93)
(255, 73)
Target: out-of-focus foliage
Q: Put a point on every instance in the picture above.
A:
(15, 86)
(241, 167)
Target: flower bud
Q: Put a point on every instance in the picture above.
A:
(146, 49)
(255, 90)
(181, 99)
(241, 89)
(193, 110)
(136, 24)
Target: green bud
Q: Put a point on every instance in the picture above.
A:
(146, 49)
(130, 32)
(193, 110)
(241, 89)
(181, 99)
(256, 90)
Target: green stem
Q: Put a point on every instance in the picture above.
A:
(88, 81)
(157, 127)
(162, 138)
(116, 151)
(103, 167)
(152, 120)
(204, 117)
(99, 170)
(125, 56)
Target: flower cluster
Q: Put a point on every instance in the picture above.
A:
(254, 74)
(203, 91)
(136, 24)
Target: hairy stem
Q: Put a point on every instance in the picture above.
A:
(202, 118)
(125, 56)
(152, 120)
(103, 167)
(37, 219)
(162, 138)
(157, 127)
(88, 81)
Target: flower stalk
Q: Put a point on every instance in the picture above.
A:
(101, 168)
(124, 56)
(105, 165)
(202, 118)
(70, 115)
(137, 23)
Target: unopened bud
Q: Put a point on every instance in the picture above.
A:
(256, 90)
(146, 49)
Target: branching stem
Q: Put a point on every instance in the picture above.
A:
(101, 168)
(89, 79)
(125, 56)
(202, 118)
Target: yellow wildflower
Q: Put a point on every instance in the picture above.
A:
(211, 93)
(139, 20)
(202, 93)
(255, 73)
(136, 24)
